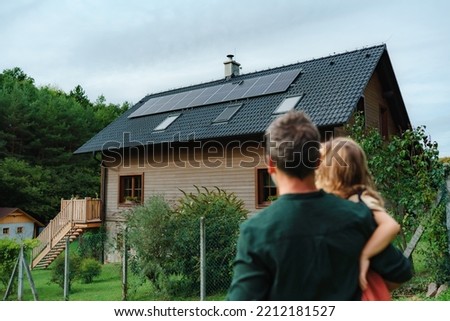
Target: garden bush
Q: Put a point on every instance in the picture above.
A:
(89, 269)
(166, 241)
(81, 269)
(9, 252)
(58, 269)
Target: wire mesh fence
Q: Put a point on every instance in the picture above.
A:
(200, 270)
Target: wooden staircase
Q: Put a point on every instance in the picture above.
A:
(76, 216)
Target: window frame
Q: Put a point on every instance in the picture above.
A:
(121, 189)
(260, 173)
(169, 120)
(287, 104)
(19, 230)
(5, 230)
(221, 120)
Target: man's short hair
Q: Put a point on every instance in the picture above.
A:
(293, 144)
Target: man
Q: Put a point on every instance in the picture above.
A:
(306, 245)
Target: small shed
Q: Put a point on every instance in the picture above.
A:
(17, 224)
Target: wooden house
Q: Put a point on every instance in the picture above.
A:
(211, 134)
(16, 224)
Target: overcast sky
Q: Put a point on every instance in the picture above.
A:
(130, 48)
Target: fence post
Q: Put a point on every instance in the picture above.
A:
(447, 208)
(66, 272)
(202, 259)
(20, 282)
(125, 267)
(50, 234)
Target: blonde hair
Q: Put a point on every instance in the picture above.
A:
(344, 171)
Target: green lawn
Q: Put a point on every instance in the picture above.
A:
(107, 287)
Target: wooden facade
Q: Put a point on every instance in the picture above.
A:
(375, 105)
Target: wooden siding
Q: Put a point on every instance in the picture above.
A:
(229, 169)
(16, 217)
(374, 101)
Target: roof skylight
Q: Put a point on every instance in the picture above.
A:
(166, 122)
(227, 114)
(287, 104)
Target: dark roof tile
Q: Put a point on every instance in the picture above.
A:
(331, 86)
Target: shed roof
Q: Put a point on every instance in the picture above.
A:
(5, 211)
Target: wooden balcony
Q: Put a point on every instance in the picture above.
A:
(75, 217)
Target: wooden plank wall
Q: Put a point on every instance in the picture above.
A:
(373, 98)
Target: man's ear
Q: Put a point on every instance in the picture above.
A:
(271, 167)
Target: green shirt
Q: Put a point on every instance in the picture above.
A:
(307, 247)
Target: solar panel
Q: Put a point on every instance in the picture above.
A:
(203, 96)
(241, 89)
(282, 82)
(261, 84)
(146, 106)
(246, 88)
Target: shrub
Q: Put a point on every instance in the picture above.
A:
(84, 270)
(89, 269)
(58, 269)
(9, 252)
(150, 235)
(91, 243)
(176, 285)
(167, 242)
(223, 212)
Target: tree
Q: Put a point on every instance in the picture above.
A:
(411, 178)
(40, 128)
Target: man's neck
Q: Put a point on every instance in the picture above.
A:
(291, 185)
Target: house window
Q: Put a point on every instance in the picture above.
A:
(19, 230)
(6, 230)
(287, 104)
(384, 131)
(166, 122)
(266, 190)
(131, 189)
(227, 114)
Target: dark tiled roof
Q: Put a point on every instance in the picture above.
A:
(331, 86)
(5, 211)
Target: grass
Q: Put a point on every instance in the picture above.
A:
(416, 289)
(107, 287)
